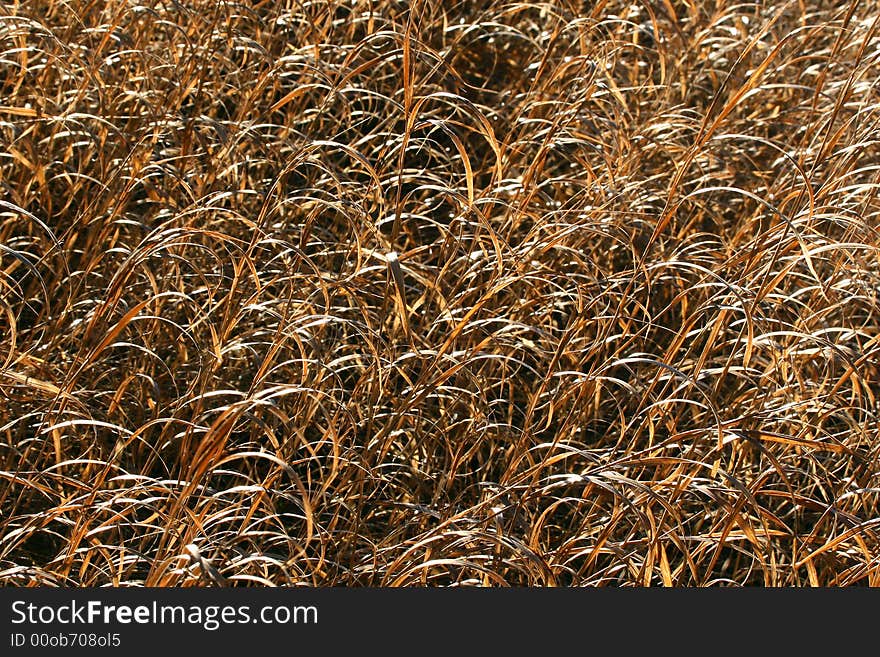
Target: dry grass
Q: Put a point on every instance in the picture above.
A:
(488, 293)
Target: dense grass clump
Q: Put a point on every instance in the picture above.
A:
(424, 293)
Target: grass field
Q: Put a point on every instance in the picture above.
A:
(432, 293)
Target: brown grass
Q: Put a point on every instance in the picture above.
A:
(489, 293)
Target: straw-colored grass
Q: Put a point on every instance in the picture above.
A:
(435, 293)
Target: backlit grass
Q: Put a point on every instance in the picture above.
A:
(424, 293)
